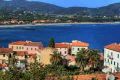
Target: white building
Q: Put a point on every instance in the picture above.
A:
(112, 57)
(63, 48)
(76, 46)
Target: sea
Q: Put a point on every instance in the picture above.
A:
(97, 35)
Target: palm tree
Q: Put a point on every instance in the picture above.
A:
(93, 58)
(56, 58)
(87, 58)
(81, 60)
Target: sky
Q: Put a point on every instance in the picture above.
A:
(80, 3)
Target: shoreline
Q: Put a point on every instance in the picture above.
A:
(49, 24)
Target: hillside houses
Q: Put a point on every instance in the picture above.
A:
(112, 57)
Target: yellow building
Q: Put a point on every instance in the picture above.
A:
(4, 55)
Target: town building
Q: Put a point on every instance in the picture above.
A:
(4, 55)
(76, 46)
(28, 46)
(112, 57)
(63, 48)
(25, 49)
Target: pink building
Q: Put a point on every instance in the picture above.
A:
(63, 48)
(71, 48)
(28, 46)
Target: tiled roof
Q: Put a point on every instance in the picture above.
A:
(5, 50)
(21, 53)
(79, 44)
(62, 45)
(114, 47)
(27, 43)
(3, 65)
(32, 55)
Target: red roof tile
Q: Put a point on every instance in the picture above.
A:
(21, 53)
(114, 47)
(5, 50)
(62, 45)
(32, 55)
(79, 43)
(27, 43)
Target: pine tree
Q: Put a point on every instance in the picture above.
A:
(52, 43)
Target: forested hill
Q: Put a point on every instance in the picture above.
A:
(40, 7)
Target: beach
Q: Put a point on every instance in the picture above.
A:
(49, 24)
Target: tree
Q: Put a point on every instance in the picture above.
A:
(81, 60)
(37, 71)
(93, 58)
(26, 62)
(88, 58)
(52, 43)
(56, 58)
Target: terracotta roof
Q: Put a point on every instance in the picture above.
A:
(114, 47)
(27, 43)
(21, 53)
(32, 55)
(62, 45)
(3, 65)
(5, 50)
(79, 43)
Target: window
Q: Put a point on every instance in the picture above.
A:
(22, 47)
(65, 52)
(27, 48)
(105, 60)
(19, 47)
(111, 62)
(117, 64)
(114, 62)
(78, 49)
(31, 48)
(73, 49)
(3, 55)
(111, 53)
(118, 56)
(60, 52)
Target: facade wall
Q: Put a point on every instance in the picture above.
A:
(63, 51)
(75, 49)
(29, 49)
(3, 58)
(17, 47)
(112, 59)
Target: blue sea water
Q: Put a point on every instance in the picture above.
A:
(97, 35)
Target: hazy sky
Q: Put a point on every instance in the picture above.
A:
(82, 3)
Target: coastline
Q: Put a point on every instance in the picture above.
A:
(49, 24)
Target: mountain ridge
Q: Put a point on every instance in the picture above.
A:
(41, 7)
